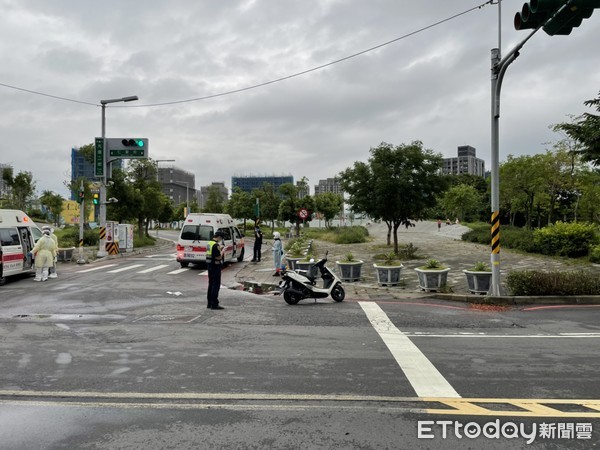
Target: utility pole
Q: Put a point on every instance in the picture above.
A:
(106, 165)
(555, 17)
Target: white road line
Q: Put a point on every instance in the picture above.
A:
(204, 273)
(152, 269)
(175, 272)
(425, 379)
(96, 268)
(507, 336)
(123, 269)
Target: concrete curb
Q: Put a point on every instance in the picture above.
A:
(507, 300)
(521, 300)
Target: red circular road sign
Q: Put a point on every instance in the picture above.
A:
(303, 213)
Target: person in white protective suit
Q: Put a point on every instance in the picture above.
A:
(44, 252)
(52, 270)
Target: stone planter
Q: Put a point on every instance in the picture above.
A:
(388, 275)
(303, 265)
(349, 271)
(291, 261)
(65, 254)
(478, 282)
(432, 279)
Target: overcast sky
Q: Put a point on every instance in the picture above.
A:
(433, 86)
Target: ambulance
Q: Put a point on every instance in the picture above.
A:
(18, 235)
(198, 229)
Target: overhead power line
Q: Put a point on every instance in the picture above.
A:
(266, 83)
(48, 95)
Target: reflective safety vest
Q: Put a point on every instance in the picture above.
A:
(209, 249)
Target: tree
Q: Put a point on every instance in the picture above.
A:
(586, 131)
(54, 203)
(74, 186)
(588, 198)
(269, 202)
(148, 199)
(522, 183)
(121, 189)
(397, 185)
(461, 201)
(215, 203)
(241, 205)
(330, 205)
(22, 189)
(291, 205)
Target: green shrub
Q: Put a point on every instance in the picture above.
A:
(595, 254)
(350, 235)
(295, 247)
(510, 237)
(479, 233)
(517, 238)
(408, 251)
(69, 237)
(480, 266)
(566, 239)
(533, 282)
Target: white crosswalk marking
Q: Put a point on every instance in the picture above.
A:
(175, 272)
(425, 379)
(152, 269)
(96, 268)
(123, 269)
(204, 273)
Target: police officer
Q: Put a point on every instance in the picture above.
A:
(258, 238)
(214, 262)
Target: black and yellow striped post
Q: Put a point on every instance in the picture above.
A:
(495, 232)
(102, 232)
(495, 256)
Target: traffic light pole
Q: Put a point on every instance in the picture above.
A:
(106, 163)
(81, 259)
(102, 218)
(499, 67)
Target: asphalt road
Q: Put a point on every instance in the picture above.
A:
(127, 356)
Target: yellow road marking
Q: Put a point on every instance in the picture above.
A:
(528, 407)
(588, 408)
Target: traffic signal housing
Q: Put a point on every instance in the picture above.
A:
(80, 196)
(135, 143)
(127, 147)
(96, 199)
(554, 18)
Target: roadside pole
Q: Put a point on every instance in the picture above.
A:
(102, 214)
(499, 67)
(81, 259)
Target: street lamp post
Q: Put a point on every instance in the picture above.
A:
(187, 195)
(102, 249)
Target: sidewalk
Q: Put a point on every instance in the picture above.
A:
(444, 245)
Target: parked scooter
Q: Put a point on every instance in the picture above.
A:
(301, 284)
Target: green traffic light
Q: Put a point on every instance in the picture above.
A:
(140, 143)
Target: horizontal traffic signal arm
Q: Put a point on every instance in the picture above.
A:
(554, 18)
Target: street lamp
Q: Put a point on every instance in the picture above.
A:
(187, 195)
(102, 249)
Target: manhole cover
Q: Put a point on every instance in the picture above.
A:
(167, 318)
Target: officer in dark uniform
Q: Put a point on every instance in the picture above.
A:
(214, 262)
(258, 238)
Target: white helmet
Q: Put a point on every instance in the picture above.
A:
(276, 235)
